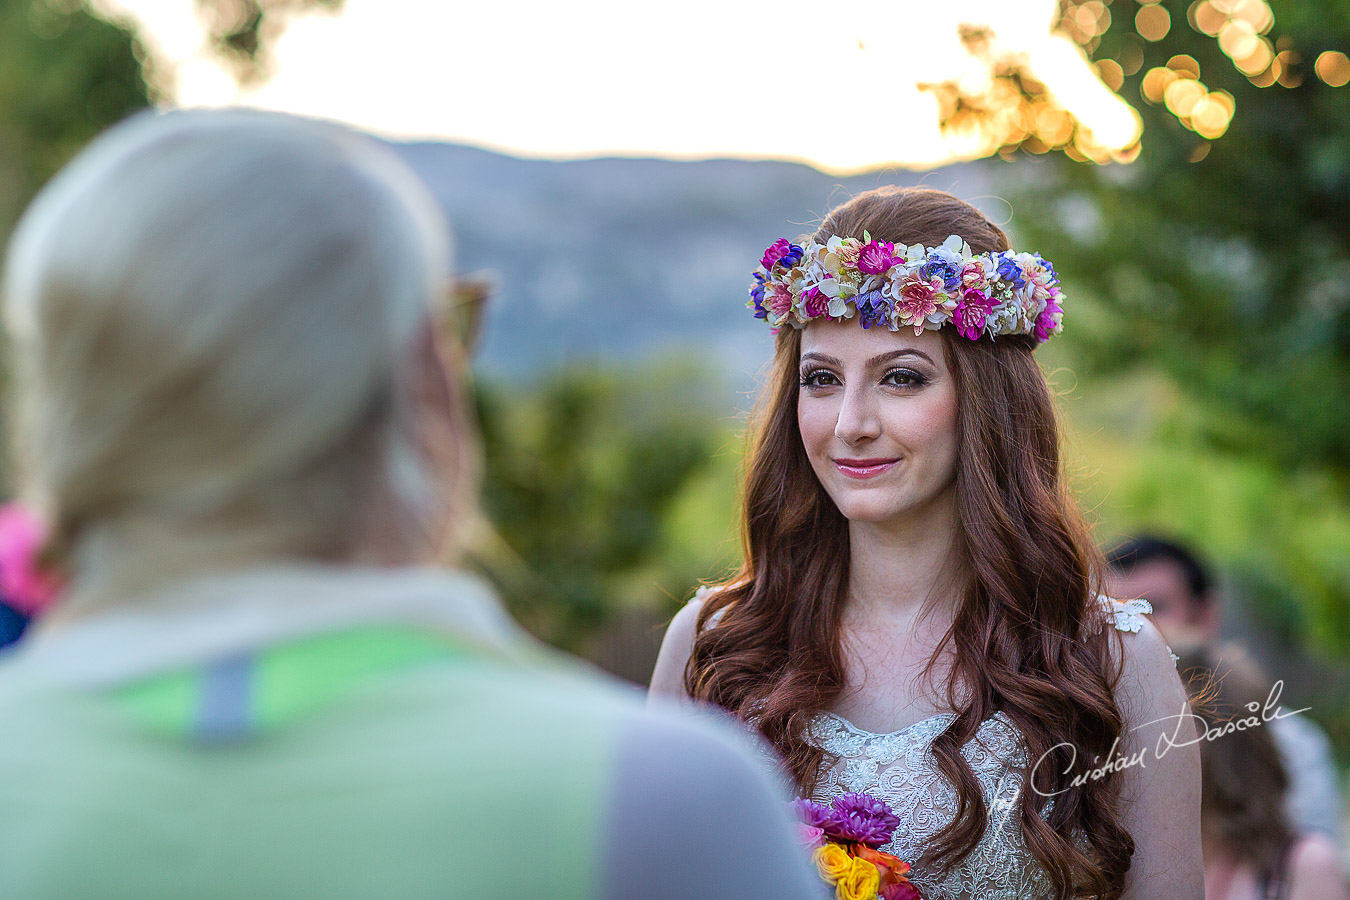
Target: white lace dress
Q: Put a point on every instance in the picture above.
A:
(899, 769)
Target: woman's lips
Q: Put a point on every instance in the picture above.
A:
(865, 468)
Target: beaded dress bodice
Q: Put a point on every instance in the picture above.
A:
(899, 769)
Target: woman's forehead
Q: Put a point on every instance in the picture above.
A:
(847, 340)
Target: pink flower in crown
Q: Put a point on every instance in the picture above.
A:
(877, 257)
(918, 300)
(24, 585)
(815, 303)
(971, 313)
(973, 275)
(849, 251)
(778, 298)
(1048, 322)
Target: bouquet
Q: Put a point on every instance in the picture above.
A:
(844, 839)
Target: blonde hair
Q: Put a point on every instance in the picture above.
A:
(214, 315)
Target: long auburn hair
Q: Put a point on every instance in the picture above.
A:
(1032, 572)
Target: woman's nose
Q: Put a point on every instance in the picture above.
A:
(858, 420)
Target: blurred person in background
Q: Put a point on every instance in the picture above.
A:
(1252, 849)
(1186, 607)
(239, 416)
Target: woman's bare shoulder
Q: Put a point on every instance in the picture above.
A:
(677, 646)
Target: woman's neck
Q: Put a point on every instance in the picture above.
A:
(904, 569)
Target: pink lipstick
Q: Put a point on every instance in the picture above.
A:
(865, 468)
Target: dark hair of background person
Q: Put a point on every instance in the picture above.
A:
(1243, 779)
(1148, 548)
(1033, 571)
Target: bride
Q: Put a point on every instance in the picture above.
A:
(917, 615)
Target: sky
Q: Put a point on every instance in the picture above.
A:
(832, 83)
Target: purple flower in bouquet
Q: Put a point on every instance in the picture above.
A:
(861, 818)
(811, 813)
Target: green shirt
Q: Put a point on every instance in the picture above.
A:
(360, 733)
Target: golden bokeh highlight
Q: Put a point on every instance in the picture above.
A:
(1289, 76)
(1184, 62)
(1112, 75)
(1178, 86)
(1333, 67)
(1152, 23)
(1241, 27)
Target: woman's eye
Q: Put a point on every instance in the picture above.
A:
(904, 378)
(819, 378)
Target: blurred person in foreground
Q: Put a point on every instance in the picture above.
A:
(1181, 589)
(239, 421)
(1252, 851)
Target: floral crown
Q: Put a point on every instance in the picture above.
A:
(914, 286)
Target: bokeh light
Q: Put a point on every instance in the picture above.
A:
(1333, 67)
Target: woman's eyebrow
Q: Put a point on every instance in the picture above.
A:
(874, 361)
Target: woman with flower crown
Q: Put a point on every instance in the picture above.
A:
(917, 616)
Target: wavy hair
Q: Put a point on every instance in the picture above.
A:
(1031, 575)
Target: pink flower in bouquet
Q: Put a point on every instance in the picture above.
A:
(23, 583)
(811, 836)
(903, 890)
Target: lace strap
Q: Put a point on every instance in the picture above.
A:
(1127, 615)
(700, 596)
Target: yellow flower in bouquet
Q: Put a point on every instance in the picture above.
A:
(859, 883)
(833, 862)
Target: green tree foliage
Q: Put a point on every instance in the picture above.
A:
(65, 74)
(583, 475)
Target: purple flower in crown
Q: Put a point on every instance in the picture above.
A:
(938, 266)
(877, 257)
(861, 818)
(1047, 323)
(757, 297)
(971, 313)
(874, 308)
(781, 251)
(815, 303)
(1010, 271)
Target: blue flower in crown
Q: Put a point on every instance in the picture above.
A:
(757, 296)
(947, 269)
(874, 308)
(1009, 270)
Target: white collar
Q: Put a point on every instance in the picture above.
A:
(210, 616)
